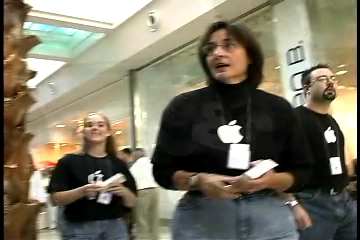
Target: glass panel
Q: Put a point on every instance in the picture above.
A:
(63, 127)
(157, 84)
(262, 25)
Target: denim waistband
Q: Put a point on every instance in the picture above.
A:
(242, 196)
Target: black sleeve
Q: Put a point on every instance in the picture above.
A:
(296, 156)
(130, 181)
(60, 180)
(164, 168)
(173, 141)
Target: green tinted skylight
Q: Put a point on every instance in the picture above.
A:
(60, 42)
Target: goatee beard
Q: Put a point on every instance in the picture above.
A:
(329, 94)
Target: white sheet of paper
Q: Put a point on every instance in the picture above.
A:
(239, 156)
(260, 168)
(335, 166)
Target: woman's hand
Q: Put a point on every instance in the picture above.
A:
(302, 217)
(119, 190)
(128, 196)
(66, 197)
(216, 186)
(244, 184)
(90, 190)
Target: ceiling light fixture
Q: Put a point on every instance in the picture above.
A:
(341, 72)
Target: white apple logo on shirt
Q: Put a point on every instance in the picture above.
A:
(230, 133)
(329, 135)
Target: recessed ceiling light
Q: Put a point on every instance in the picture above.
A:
(277, 67)
(60, 125)
(341, 66)
(342, 72)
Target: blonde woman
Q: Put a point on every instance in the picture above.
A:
(89, 211)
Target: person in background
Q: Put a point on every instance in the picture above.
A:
(126, 155)
(147, 205)
(209, 137)
(51, 209)
(89, 211)
(326, 210)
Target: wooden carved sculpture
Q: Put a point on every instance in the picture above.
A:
(20, 213)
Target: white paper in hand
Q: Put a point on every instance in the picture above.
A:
(260, 168)
(112, 181)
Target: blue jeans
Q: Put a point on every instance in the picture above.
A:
(257, 216)
(112, 229)
(334, 217)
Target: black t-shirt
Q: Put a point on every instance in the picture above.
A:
(315, 126)
(73, 171)
(188, 138)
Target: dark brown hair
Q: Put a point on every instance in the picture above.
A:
(306, 75)
(245, 37)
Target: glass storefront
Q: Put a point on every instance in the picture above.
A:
(59, 133)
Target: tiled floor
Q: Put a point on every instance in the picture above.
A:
(45, 234)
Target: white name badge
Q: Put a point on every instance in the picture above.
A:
(239, 156)
(335, 166)
(104, 198)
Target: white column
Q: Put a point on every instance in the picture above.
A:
(293, 43)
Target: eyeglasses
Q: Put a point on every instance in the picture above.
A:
(209, 48)
(326, 79)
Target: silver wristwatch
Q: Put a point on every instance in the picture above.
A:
(292, 203)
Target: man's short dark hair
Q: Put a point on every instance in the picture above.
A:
(306, 75)
(245, 37)
(127, 151)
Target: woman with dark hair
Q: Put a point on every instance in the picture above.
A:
(209, 137)
(91, 211)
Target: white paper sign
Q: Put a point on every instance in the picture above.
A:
(239, 156)
(335, 166)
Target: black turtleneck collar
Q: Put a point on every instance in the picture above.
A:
(231, 92)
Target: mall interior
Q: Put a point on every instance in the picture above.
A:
(128, 59)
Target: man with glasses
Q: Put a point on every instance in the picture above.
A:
(325, 210)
